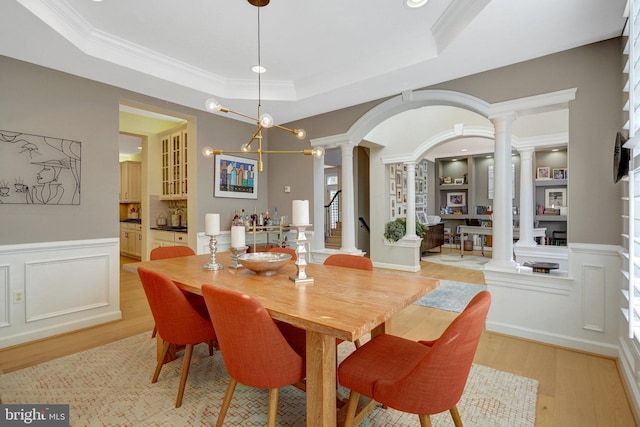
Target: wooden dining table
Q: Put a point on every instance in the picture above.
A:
(340, 303)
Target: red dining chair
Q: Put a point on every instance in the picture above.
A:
(424, 377)
(165, 252)
(178, 322)
(350, 261)
(255, 350)
(285, 251)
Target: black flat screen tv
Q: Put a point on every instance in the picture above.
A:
(621, 158)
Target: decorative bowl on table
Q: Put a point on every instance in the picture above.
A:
(264, 263)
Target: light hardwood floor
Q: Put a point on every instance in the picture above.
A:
(575, 388)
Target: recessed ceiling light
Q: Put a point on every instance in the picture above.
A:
(556, 149)
(415, 3)
(258, 69)
(464, 150)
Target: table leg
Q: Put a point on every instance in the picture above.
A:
(321, 380)
(461, 244)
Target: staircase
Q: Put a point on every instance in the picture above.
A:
(334, 240)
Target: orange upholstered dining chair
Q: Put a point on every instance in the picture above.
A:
(256, 352)
(350, 261)
(285, 251)
(178, 322)
(424, 377)
(164, 252)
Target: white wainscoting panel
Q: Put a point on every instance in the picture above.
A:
(579, 310)
(66, 285)
(593, 298)
(6, 297)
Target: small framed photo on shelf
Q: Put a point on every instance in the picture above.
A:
(456, 199)
(458, 181)
(559, 174)
(447, 180)
(555, 197)
(392, 186)
(543, 173)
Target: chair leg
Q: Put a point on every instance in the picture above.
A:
(273, 407)
(210, 343)
(425, 420)
(231, 387)
(352, 405)
(457, 421)
(165, 350)
(186, 362)
(155, 331)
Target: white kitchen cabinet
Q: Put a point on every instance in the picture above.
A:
(161, 238)
(130, 182)
(131, 239)
(173, 164)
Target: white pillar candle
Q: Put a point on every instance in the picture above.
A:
(300, 214)
(237, 236)
(212, 224)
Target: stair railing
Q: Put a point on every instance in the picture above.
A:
(332, 215)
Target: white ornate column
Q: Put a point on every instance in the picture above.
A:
(348, 199)
(411, 201)
(317, 241)
(502, 207)
(526, 198)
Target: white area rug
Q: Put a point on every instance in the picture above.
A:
(450, 296)
(111, 386)
(471, 262)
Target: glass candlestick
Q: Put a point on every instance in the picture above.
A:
(234, 256)
(301, 254)
(213, 264)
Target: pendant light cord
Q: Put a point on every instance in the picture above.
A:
(259, 68)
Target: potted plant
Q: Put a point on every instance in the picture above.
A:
(395, 230)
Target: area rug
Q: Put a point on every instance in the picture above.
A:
(111, 386)
(471, 262)
(450, 296)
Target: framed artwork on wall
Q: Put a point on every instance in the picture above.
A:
(235, 177)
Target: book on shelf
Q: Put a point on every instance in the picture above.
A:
(551, 211)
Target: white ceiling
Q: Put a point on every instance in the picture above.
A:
(320, 56)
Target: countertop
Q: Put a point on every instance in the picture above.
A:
(180, 229)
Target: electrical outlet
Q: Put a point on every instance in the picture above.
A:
(18, 296)
(287, 189)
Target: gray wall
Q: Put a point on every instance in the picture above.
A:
(42, 101)
(594, 118)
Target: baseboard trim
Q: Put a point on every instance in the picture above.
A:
(59, 329)
(554, 339)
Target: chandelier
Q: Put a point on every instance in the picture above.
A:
(264, 121)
